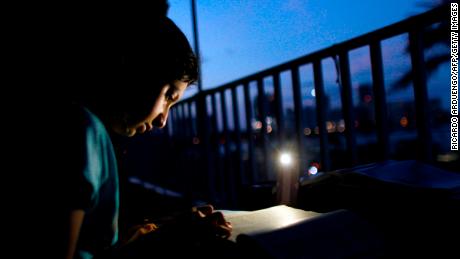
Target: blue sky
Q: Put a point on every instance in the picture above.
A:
(238, 38)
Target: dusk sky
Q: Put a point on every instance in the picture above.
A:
(242, 37)
(239, 38)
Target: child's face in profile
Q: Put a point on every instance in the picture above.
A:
(158, 115)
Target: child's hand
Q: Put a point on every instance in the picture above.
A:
(211, 222)
(137, 231)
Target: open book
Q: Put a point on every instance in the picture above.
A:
(286, 232)
(265, 220)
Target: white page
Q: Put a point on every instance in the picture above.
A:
(265, 220)
(285, 232)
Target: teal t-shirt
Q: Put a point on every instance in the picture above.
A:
(97, 185)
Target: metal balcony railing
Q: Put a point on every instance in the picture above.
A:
(233, 139)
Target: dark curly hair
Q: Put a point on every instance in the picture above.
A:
(127, 54)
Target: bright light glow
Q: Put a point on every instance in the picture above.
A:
(312, 170)
(285, 159)
(313, 92)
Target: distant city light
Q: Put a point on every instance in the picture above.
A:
(330, 126)
(268, 120)
(269, 129)
(285, 159)
(196, 140)
(404, 121)
(367, 98)
(341, 126)
(449, 157)
(316, 130)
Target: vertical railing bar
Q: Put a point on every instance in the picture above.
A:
(188, 188)
(188, 142)
(169, 129)
(321, 114)
(223, 105)
(185, 121)
(217, 156)
(263, 136)
(297, 95)
(422, 113)
(177, 123)
(194, 175)
(215, 123)
(279, 107)
(174, 123)
(250, 134)
(239, 167)
(178, 114)
(380, 99)
(191, 121)
(228, 168)
(347, 104)
(204, 133)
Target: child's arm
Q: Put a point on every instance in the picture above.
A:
(75, 222)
